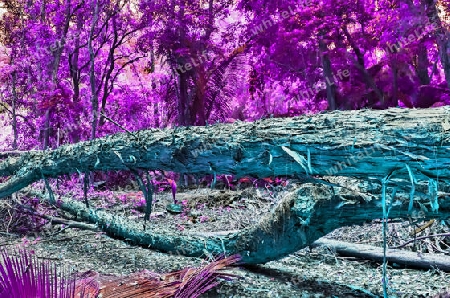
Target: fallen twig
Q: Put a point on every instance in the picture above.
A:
(419, 238)
(67, 223)
(403, 258)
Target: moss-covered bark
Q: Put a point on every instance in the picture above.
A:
(308, 212)
(370, 145)
(364, 144)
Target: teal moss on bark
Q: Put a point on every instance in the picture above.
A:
(394, 138)
(305, 214)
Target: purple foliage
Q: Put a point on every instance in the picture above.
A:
(25, 276)
(185, 63)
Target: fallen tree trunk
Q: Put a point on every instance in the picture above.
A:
(404, 258)
(364, 144)
(401, 144)
(305, 214)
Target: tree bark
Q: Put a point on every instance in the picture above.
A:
(399, 143)
(75, 72)
(328, 74)
(184, 102)
(359, 63)
(422, 64)
(92, 79)
(404, 258)
(110, 69)
(393, 101)
(442, 37)
(305, 214)
(362, 144)
(56, 62)
(14, 110)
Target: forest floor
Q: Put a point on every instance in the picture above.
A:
(307, 273)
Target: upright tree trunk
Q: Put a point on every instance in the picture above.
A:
(442, 38)
(56, 61)
(183, 103)
(359, 63)
(73, 63)
(94, 94)
(46, 129)
(328, 74)
(421, 61)
(422, 64)
(394, 96)
(75, 74)
(13, 109)
(156, 114)
(47, 112)
(43, 10)
(14, 90)
(184, 117)
(198, 106)
(111, 62)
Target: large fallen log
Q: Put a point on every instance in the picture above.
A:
(402, 144)
(364, 144)
(306, 213)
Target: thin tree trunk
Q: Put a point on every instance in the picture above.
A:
(14, 110)
(94, 94)
(442, 38)
(422, 64)
(183, 107)
(111, 61)
(43, 10)
(46, 129)
(56, 61)
(73, 63)
(394, 96)
(400, 257)
(359, 63)
(75, 74)
(328, 74)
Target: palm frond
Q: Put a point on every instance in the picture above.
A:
(186, 283)
(25, 276)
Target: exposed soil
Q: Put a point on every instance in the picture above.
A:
(306, 273)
